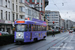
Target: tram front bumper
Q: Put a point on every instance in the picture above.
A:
(22, 40)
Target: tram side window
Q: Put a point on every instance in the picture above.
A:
(45, 28)
(32, 27)
(35, 27)
(40, 28)
(26, 28)
(29, 27)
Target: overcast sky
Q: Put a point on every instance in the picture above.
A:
(65, 7)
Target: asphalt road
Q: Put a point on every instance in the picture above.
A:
(61, 41)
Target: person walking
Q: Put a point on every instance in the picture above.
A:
(53, 35)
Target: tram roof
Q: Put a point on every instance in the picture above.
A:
(32, 22)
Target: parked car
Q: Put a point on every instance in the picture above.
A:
(3, 33)
(70, 31)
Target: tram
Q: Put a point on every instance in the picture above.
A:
(29, 31)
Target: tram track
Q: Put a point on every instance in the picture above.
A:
(41, 46)
(61, 43)
(56, 41)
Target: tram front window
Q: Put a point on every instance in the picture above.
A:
(20, 28)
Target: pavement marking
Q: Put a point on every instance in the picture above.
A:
(60, 46)
(57, 43)
(64, 46)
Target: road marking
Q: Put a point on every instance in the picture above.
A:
(64, 46)
(60, 44)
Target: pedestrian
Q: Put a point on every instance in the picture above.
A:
(53, 35)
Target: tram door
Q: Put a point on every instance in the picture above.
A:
(30, 31)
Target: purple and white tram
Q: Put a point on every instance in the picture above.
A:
(29, 31)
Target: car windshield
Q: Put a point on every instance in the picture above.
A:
(20, 27)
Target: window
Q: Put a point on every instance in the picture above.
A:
(13, 17)
(29, 27)
(13, 6)
(8, 4)
(26, 27)
(1, 14)
(21, 1)
(6, 15)
(21, 16)
(20, 28)
(36, 28)
(16, 8)
(33, 27)
(16, 1)
(29, 12)
(38, 1)
(22, 9)
(16, 16)
(9, 15)
(27, 0)
(1, 2)
(32, 0)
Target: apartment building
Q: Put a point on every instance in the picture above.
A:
(53, 16)
(62, 24)
(18, 11)
(6, 16)
(31, 12)
(40, 6)
(68, 24)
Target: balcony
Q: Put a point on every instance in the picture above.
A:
(21, 13)
(21, 4)
(46, 2)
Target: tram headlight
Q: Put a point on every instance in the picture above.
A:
(19, 35)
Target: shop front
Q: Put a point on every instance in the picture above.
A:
(1, 25)
(6, 26)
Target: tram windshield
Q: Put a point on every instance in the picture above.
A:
(20, 28)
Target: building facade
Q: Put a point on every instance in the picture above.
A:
(62, 24)
(6, 16)
(40, 6)
(53, 16)
(31, 12)
(18, 9)
(68, 24)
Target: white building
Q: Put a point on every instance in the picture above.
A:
(62, 24)
(18, 11)
(53, 16)
(21, 10)
(6, 15)
(68, 24)
(31, 12)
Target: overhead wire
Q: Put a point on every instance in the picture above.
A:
(56, 6)
(68, 7)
